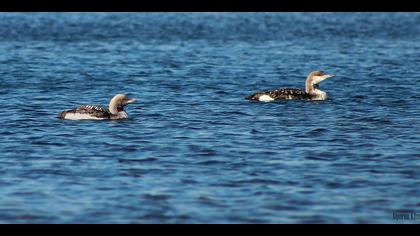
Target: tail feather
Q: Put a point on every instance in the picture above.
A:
(252, 97)
(62, 115)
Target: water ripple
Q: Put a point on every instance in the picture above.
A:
(194, 150)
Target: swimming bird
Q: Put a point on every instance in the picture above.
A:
(115, 111)
(311, 91)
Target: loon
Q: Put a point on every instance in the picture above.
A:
(89, 112)
(311, 92)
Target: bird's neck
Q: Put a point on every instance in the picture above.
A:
(309, 86)
(313, 90)
(114, 108)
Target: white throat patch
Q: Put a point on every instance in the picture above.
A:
(320, 95)
(122, 115)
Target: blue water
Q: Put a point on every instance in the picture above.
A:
(193, 150)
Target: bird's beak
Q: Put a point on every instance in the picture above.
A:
(329, 76)
(318, 79)
(131, 100)
(325, 77)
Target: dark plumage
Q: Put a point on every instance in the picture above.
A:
(282, 94)
(94, 111)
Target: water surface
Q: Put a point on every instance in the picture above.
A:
(197, 152)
